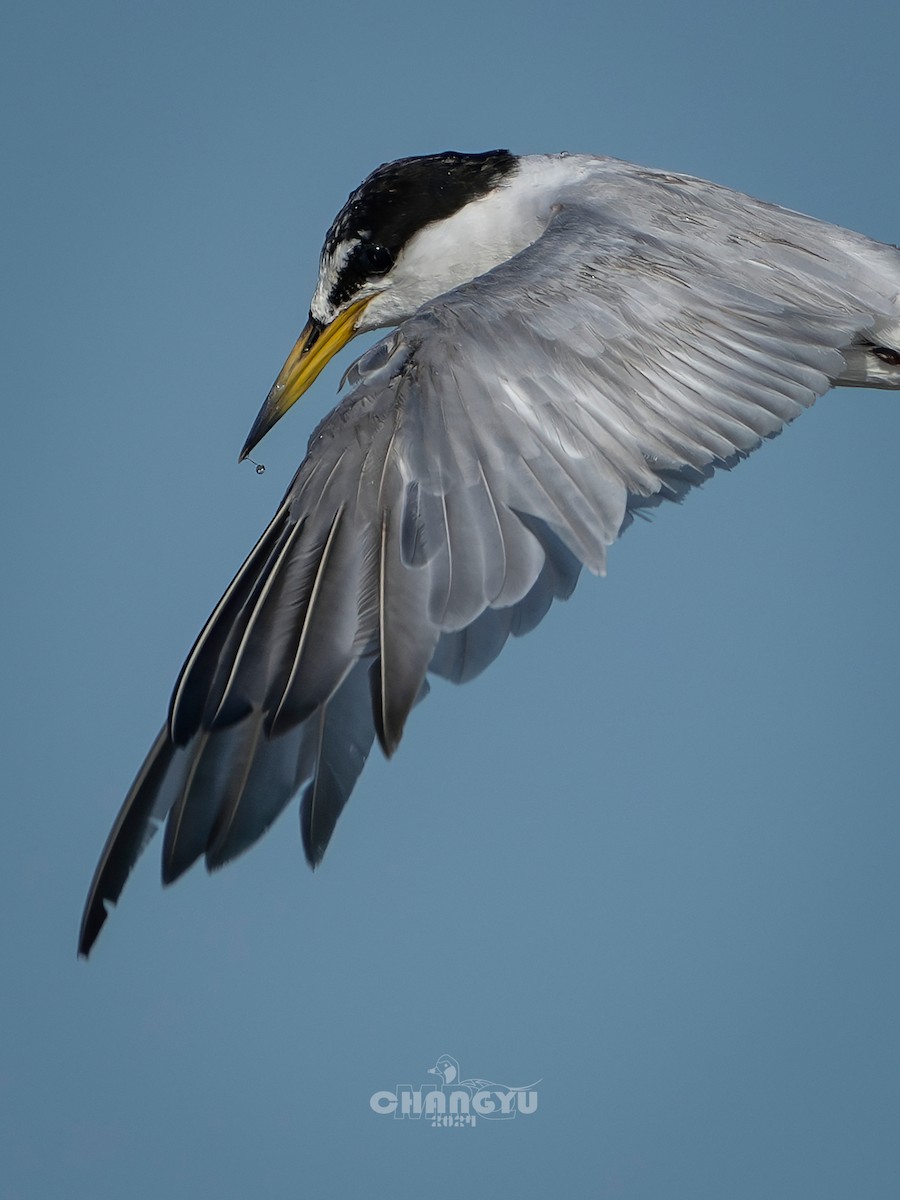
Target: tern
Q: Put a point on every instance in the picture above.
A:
(575, 339)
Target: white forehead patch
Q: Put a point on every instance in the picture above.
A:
(330, 267)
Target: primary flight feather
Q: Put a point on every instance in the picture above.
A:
(576, 338)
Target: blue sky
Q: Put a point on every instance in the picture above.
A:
(650, 857)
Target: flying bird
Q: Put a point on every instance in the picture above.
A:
(575, 339)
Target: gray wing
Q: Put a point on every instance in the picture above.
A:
(489, 447)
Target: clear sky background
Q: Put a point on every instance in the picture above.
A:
(650, 857)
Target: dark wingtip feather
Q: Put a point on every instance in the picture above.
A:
(92, 922)
(388, 737)
(198, 676)
(339, 746)
(145, 806)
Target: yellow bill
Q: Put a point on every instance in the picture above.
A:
(315, 347)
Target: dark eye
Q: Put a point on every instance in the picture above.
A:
(374, 259)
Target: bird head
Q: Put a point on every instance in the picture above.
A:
(414, 229)
(446, 1067)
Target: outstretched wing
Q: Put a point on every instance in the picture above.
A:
(491, 445)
